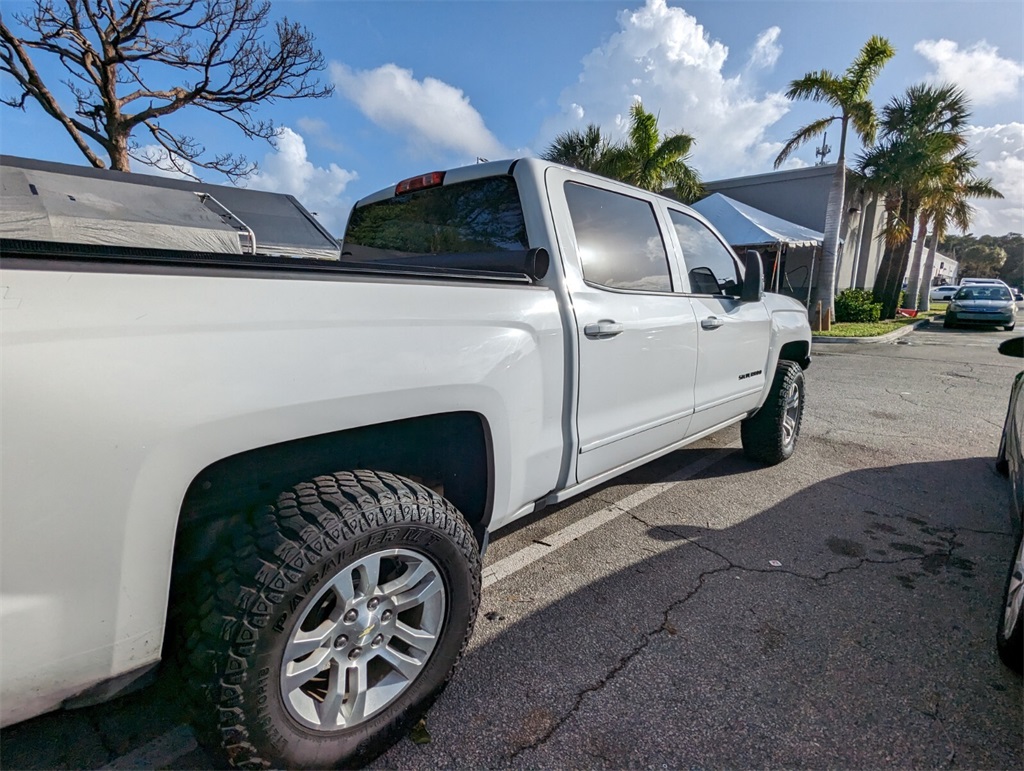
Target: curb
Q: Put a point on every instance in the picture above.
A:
(877, 339)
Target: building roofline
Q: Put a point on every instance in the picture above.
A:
(804, 172)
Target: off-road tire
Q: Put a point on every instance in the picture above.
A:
(244, 609)
(1010, 632)
(770, 434)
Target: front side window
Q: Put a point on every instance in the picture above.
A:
(620, 245)
(710, 265)
(476, 225)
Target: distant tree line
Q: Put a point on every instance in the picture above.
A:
(988, 256)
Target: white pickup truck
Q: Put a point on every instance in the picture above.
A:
(282, 473)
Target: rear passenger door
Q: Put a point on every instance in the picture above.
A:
(732, 336)
(637, 337)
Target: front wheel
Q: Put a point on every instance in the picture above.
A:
(331, 621)
(1010, 634)
(770, 434)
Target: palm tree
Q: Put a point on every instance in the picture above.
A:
(946, 204)
(645, 158)
(953, 184)
(922, 138)
(848, 95)
(584, 150)
(649, 161)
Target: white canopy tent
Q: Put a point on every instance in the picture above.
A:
(789, 250)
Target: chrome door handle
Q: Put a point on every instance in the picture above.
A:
(711, 322)
(603, 329)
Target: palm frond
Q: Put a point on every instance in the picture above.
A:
(802, 135)
(864, 69)
(821, 86)
(864, 120)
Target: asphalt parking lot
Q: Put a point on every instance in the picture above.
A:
(837, 610)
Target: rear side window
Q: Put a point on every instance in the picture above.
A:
(711, 266)
(620, 245)
(475, 225)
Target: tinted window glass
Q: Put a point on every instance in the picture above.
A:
(619, 242)
(474, 225)
(710, 265)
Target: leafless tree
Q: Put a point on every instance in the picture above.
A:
(131, 63)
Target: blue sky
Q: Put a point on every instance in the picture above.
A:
(430, 85)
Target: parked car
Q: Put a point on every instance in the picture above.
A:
(943, 292)
(1010, 462)
(974, 280)
(990, 304)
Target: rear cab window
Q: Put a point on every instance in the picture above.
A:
(619, 243)
(473, 225)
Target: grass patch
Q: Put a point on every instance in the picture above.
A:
(877, 328)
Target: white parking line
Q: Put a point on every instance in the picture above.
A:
(513, 563)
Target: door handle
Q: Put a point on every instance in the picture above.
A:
(603, 329)
(711, 322)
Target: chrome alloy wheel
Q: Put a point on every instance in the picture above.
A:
(363, 639)
(790, 415)
(1014, 594)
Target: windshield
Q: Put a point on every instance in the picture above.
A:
(475, 225)
(983, 292)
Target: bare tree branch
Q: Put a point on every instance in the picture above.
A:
(227, 62)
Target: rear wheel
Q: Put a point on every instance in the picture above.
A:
(770, 434)
(331, 621)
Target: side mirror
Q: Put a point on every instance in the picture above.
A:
(753, 277)
(1012, 347)
(537, 263)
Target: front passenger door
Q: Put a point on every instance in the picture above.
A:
(732, 336)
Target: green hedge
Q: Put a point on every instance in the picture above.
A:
(856, 305)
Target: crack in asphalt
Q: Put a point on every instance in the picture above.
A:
(621, 664)
(934, 715)
(666, 627)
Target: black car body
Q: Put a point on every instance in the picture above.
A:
(1010, 462)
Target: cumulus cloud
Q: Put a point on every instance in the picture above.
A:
(319, 131)
(1000, 151)
(766, 49)
(662, 56)
(432, 116)
(288, 170)
(979, 70)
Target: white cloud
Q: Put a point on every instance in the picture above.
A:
(159, 163)
(430, 115)
(320, 132)
(662, 56)
(979, 70)
(288, 170)
(766, 49)
(1000, 151)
